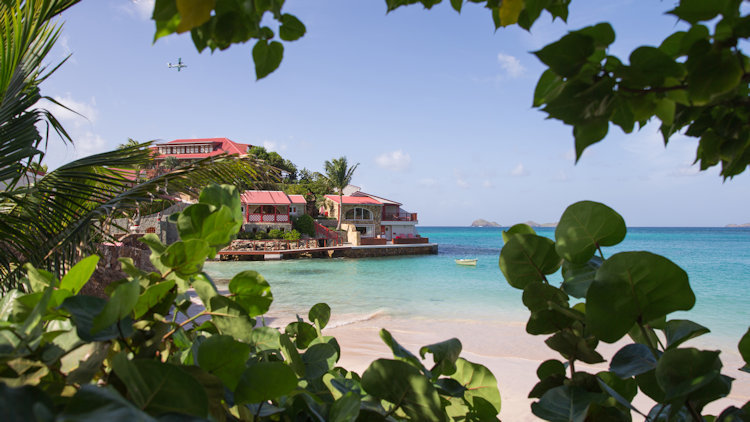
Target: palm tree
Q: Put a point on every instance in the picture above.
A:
(339, 175)
(170, 163)
(58, 219)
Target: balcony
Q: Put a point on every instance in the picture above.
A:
(268, 218)
(400, 216)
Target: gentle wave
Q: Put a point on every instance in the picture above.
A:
(357, 319)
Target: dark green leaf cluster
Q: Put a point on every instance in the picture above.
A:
(628, 294)
(217, 24)
(147, 354)
(304, 224)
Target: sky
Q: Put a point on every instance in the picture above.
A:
(435, 106)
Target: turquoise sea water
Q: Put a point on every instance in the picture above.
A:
(717, 261)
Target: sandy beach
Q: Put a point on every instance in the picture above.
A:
(505, 348)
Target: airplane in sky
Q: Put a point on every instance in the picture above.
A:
(179, 65)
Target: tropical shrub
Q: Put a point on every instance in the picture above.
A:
(292, 235)
(627, 294)
(275, 234)
(305, 225)
(144, 354)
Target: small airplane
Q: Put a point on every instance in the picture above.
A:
(179, 65)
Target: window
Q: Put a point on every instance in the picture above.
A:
(358, 214)
(366, 231)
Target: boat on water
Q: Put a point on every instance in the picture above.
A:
(472, 261)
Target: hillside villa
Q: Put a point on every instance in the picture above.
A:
(267, 210)
(196, 149)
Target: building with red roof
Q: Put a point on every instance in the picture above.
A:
(370, 215)
(195, 149)
(266, 210)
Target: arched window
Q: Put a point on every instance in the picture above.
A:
(358, 214)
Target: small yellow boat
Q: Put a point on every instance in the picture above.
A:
(472, 261)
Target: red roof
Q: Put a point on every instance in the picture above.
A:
(297, 199)
(265, 197)
(219, 146)
(354, 200)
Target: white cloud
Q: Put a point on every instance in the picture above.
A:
(488, 184)
(511, 65)
(141, 9)
(89, 143)
(519, 171)
(460, 179)
(77, 113)
(395, 160)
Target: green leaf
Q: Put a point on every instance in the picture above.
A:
(152, 297)
(537, 296)
(265, 338)
(678, 331)
(77, 277)
(589, 133)
(291, 355)
(651, 66)
(291, 28)
(683, 371)
(346, 408)
(623, 391)
(550, 367)
(251, 291)
(232, 319)
(573, 346)
(400, 353)
(711, 74)
(509, 11)
(84, 309)
(92, 403)
(26, 403)
(444, 354)
(186, 258)
(633, 359)
(635, 286)
(527, 258)
(319, 359)
(405, 387)
(265, 381)
(564, 404)
(194, 13)
(602, 33)
(665, 109)
(118, 306)
(456, 4)
(7, 301)
(547, 89)
(319, 315)
(744, 348)
(160, 388)
(227, 195)
(267, 57)
(482, 393)
(302, 332)
(517, 229)
(578, 277)
(39, 279)
(224, 357)
(694, 11)
(566, 56)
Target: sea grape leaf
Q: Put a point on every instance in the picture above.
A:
(744, 348)
(345, 408)
(160, 388)
(550, 367)
(186, 258)
(683, 371)
(330, 340)
(224, 357)
(119, 305)
(633, 286)
(152, 297)
(79, 275)
(291, 355)
(565, 403)
(265, 338)
(578, 277)
(537, 296)
(527, 258)
(92, 403)
(84, 309)
(405, 387)
(573, 346)
(482, 393)
(227, 195)
(584, 227)
(622, 390)
(319, 359)
(444, 354)
(520, 228)
(633, 359)
(319, 315)
(230, 318)
(678, 331)
(302, 332)
(25, 403)
(400, 353)
(265, 381)
(251, 291)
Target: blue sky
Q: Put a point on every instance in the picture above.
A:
(435, 106)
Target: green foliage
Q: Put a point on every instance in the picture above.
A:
(305, 225)
(275, 234)
(141, 356)
(629, 293)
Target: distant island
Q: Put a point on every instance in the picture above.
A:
(485, 223)
(535, 224)
(738, 225)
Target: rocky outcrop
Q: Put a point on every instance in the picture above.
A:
(535, 224)
(109, 268)
(484, 223)
(738, 225)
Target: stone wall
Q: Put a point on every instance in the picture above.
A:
(109, 268)
(390, 251)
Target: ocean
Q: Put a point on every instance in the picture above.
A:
(717, 261)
